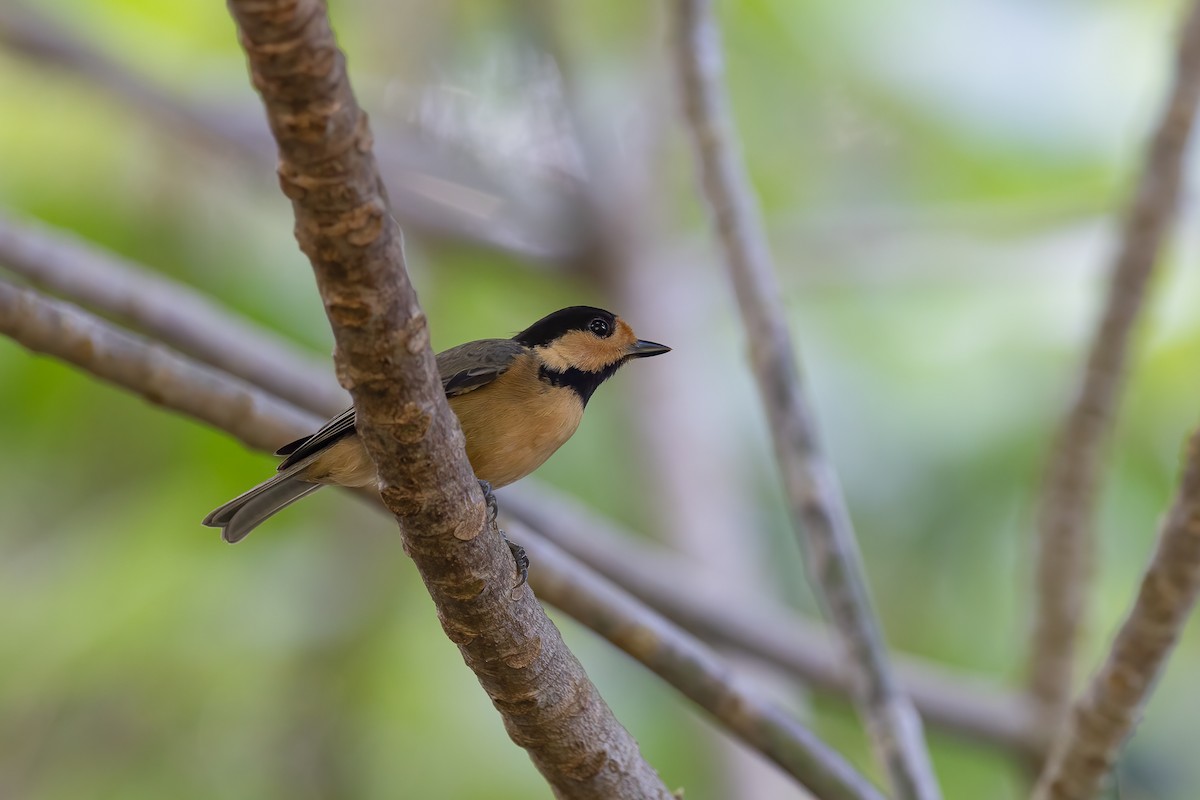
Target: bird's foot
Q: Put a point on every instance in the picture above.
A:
(521, 559)
(489, 497)
(518, 552)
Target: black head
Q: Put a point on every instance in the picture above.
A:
(582, 346)
(597, 321)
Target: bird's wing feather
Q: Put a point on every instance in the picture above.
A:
(469, 366)
(463, 369)
(330, 432)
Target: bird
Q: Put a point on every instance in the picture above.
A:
(517, 400)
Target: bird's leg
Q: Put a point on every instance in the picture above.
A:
(521, 559)
(518, 552)
(489, 497)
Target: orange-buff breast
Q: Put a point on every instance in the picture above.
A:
(511, 430)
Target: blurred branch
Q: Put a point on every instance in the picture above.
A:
(675, 453)
(1066, 540)
(383, 356)
(40, 39)
(152, 371)
(262, 422)
(711, 606)
(1104, 717)
(693, 669)
(818, 509)
(434, 190)
(774, 635)
(79, 271)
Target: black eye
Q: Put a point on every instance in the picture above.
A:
(599, 327)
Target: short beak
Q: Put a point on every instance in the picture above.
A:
(642, 349)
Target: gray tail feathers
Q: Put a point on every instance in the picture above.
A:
(247, 511)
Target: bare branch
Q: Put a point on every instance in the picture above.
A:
(1066, 540)
(185, 319)
(263, 422)
(433, 191)
(818, 509)
(384, 358)
(152, 371)
(1111, 705)
(694, 670)
(717, 609)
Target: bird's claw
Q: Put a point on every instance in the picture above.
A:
(518, 552)
(521, 559)
(493, 506)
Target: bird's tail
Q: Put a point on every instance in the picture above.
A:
(247, 511)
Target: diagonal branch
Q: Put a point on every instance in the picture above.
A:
(696, 671)
(185, 319)
(383, 357)
(707, 605)
(156, 373)
(818, 509)
(1065, 521)
(1104, 717)
(58, 329)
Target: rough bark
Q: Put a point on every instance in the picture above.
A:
(384, 359)
(683, 662)
(1104, 717)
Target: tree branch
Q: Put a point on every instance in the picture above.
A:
(75, 336)
(384, 359)
(1066, 537)
(1111, 705)
(152, 371)
(725, 614)
(180, 317)
(818, 509)
(694, 670)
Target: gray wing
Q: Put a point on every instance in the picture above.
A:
(474, 364)
(463, 369)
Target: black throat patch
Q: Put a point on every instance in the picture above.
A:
(581, 382)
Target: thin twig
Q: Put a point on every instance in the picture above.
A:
(434, 189)
(262, 422)
(79, 271)
(1104, 717)
(818, 509)
(711, 606)
(1066, 537)
(150, 370)
(384, 358)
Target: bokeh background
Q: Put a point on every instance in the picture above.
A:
(939, 178)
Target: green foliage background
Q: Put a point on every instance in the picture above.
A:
(939, 179)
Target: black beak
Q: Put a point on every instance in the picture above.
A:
(643, 349)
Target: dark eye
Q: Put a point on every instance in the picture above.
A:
(599, 327)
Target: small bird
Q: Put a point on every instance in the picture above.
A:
(518, 400)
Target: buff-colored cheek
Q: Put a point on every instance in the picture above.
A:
(585, 351)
